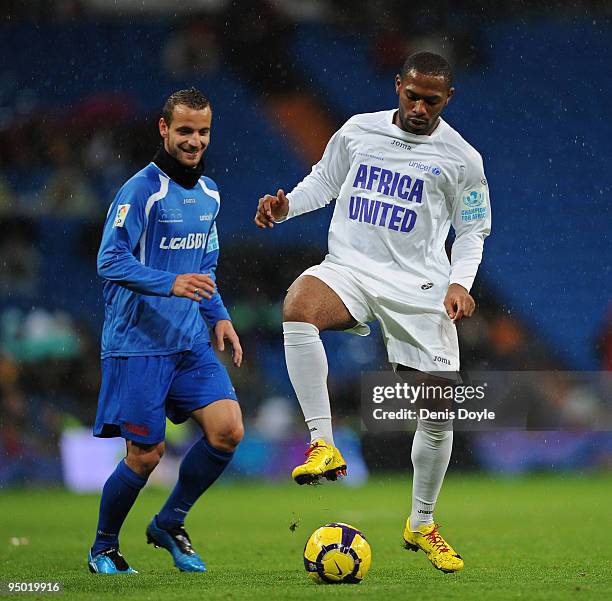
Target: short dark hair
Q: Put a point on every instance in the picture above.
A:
(428, 63)
(191, 97)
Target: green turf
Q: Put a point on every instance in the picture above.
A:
(538, 538)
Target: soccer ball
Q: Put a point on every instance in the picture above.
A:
(337, 553)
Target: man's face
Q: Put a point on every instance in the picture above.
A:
(422, 99)
(187, 135)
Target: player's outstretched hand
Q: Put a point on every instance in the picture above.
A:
(459, 303)
(195, 286)
(224, 330)
(271, 209)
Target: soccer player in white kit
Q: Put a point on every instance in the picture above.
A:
(400, 179)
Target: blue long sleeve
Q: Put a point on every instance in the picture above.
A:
(212, 309)
(121, 241)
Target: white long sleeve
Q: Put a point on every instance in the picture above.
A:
(471, 217)
(323, 183)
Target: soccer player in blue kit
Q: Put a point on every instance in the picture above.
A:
(158, 258)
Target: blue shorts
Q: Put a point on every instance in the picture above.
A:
(137, 393)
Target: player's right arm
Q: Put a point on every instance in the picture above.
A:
(471, 219)
(316, 190)
(117, 261)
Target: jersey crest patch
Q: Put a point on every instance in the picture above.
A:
(476, 201)
(213, 239)
(122, 211)
(474, 198)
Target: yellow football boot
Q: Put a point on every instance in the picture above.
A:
(438, 551)
(322, 459)
(337, 467)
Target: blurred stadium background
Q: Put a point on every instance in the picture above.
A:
(81, 86)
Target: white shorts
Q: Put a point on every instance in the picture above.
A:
(415, 336)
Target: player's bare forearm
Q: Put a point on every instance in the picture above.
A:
(224, 330)
(270, 209)
(459, 303)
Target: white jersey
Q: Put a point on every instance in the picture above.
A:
(396, 196)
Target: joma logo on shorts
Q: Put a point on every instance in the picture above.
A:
(439, 359)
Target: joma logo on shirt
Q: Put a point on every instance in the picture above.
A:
(401, 144)
(188, 242)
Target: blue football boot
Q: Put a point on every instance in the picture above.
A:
(109, 562)
(176, 541)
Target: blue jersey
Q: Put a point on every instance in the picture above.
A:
(155, 230)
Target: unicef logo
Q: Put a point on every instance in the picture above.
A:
(473, 199)
(425, 167)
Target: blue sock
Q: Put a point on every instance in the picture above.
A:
(118, 496)
(200, 467)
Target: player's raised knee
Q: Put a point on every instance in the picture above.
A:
(296, 308)
(227, 437)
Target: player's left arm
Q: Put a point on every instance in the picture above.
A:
(471, 219)
(212, 309)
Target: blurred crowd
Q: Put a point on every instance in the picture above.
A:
(79, 158)
(67, 162)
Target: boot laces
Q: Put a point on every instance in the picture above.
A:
(436, 540)
(115, 556)
(312, 451)
(182, 539)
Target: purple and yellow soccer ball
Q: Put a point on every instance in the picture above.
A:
(337, 554)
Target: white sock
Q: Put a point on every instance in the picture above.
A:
(431, 451)
(307, 367)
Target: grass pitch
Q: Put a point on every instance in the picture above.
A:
(536, 538)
